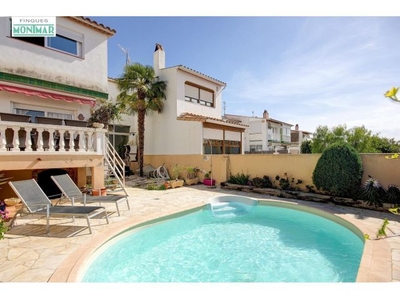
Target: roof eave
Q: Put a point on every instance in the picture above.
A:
(93, 24)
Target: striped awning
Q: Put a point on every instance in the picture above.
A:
(46, 94)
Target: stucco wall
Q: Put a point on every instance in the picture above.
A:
(89, 72)
(164, 134)
(299, 166)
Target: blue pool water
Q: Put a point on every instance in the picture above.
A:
(256, 244)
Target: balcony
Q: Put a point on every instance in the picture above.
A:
(68, 136)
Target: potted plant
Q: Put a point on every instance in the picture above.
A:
(3, 211)
(176, 172)
(207, 179)
(191, 175)
(105, 113)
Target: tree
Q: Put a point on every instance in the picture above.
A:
(358, 137)
(141, 91)
(320, 139)
(324, 137)
(339, 171)
(306, 147)
(361, 139)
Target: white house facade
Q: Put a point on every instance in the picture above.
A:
(191, 121)
(53, 82)
(297, 138)
(264, 134)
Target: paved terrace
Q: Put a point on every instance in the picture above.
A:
(27, 254)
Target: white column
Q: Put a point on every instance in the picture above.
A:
(3, 141)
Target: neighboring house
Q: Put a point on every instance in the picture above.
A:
(191, 121)
(297, 138)
(59, 79)
(264, 135)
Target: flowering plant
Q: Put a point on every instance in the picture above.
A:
(3, 225)
(3, 211)
(106, 112)
(391, 94)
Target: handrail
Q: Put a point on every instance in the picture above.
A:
(116, 164)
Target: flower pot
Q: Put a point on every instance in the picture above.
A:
(99, 192)
(208, 181)
(98, 125)
(190, 181)
(12, 201)
(176, 183)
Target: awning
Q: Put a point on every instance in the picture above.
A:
(43, 94)
(206, 119)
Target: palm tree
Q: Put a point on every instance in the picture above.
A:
(141, 91)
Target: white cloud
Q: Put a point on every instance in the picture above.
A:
(335, 72)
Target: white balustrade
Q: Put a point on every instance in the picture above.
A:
(18, 137)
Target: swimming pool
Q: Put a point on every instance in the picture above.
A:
(234, 239)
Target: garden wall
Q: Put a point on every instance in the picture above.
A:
(299, 166)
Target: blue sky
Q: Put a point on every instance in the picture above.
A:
(309, 71)
(305, 62)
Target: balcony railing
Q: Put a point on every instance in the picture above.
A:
(18, 137)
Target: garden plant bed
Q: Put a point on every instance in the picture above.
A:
(314, 197)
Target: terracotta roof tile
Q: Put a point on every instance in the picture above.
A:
(98, 26)
(200, 118)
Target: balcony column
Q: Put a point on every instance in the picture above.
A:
(82, 138)
(16, 139)
(62, 141)
(90, 141)
(28, 140)
(39, 142)
(3, 141)
(52, 135)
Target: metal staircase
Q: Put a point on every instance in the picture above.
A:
(114, 169)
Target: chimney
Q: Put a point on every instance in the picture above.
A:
(265, 114)
(296, 127)
(158, 58)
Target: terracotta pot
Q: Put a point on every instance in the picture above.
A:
(176, 183)
(190, 181)
(98, 125)
(99, 192)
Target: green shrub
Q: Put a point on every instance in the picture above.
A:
(239, 178)
(339, 171)
(263, 182)
(373, 192)
(152, 187)
(287, 182)
(393, 194)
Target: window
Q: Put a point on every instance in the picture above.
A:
(65, 41)
(119, 137)
(198, 94)
(232, 147)
(64, 44)
(211, 146)
(255, 148)
(26, 110)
